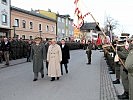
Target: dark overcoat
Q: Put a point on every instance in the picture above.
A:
(65, 54)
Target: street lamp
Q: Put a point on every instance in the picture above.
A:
(14, 28)
(40, 33)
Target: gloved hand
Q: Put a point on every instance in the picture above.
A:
(125, 70)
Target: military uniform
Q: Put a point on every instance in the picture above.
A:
(13, 49)
(129, 67)
(38, 55)
(89, 52)
(124, 74)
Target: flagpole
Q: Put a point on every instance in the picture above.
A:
(81, 16)
(105, 36)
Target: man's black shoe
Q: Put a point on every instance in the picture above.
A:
(67, 71)
(116, 81)
(58, 78)
(42, 75)
(88, 63)
(35, 79)
(124, 96)
(52, 78)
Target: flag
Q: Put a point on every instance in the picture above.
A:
(79, 14)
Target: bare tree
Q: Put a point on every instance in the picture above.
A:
(110, 25)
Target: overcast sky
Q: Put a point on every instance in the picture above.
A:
(119, 10)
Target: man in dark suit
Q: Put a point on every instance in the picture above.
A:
(65, 55)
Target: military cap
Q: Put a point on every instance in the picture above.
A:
(38, 38)
(89, 40)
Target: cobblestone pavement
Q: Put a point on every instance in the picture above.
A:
(107, 89)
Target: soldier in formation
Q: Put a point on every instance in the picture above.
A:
(118, 65)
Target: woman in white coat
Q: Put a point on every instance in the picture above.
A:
(54, 57)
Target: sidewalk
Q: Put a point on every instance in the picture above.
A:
(108, 91)
(13, 62)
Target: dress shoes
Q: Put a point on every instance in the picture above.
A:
(52, 79)
(88, 63)
(58, 78)
(116, 81)
(125, 95)
(35, 79)
(66, 71)
(42, 75)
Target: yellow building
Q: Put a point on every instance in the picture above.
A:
(47, 13)
(76, 33)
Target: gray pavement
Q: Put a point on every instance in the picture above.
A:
(83, 82)
(13, 62)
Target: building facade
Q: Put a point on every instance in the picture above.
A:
(29, 24)
(65, 27)
(64, 24)
(5, 18)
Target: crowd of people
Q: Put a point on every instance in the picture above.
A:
(119, 59)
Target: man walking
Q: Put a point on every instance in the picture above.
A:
(65, 55)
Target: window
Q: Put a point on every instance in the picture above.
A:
(63, 20)
(63, 31)
(52, 29)
(59, 30)
(47, 28)
(40, 27)
(58, 19)
(30, 37)
(16, 22)
(31, 25)
(24, 24)
(4, 19)
(23, 36)
(66, 22)
(4, 1)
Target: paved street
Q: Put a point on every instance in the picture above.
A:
(83, 82)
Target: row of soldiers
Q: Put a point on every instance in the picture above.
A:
(19, 48)
(119, 57)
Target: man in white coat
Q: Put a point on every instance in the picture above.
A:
(54, 57)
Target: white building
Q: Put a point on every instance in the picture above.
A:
(5, 17)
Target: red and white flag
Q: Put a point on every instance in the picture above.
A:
(79, 13)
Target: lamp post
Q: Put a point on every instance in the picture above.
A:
(14, 28)
(40, 33)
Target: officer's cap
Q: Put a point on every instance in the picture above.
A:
(38, 39)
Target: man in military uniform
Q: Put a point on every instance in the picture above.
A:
(116, 63)
(13, 48)
(129, 67)
(89, 51)
(38, 55)
(123, 53)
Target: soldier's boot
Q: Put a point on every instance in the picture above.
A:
(117, 81)
(125, 95)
